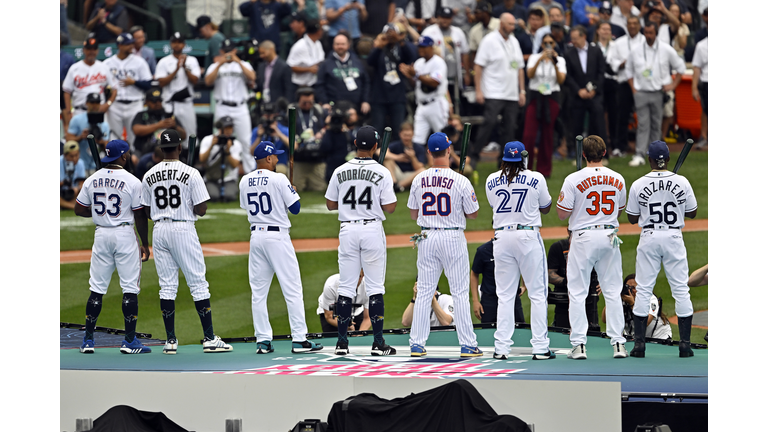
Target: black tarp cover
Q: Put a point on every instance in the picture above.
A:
(122, 418)
(456, 406)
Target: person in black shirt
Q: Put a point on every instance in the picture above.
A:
(485, 307)
(557, 260)
(148, 124)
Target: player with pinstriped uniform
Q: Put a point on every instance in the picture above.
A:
(518, 197)
(174, 195)
(441, 200)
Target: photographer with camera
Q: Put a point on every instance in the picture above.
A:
(90, 122)
(147, 125)
(221, 155)
(309, 165)
(337, 142)
(658, 324)
(272, 128)
(72, 175)
(342, 77)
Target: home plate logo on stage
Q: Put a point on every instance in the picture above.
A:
(399, 370)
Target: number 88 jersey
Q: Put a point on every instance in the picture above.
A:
(594, 196)
(171, 189)
(661, 198)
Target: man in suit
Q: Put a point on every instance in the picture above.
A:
(274, 75)
(586, 75)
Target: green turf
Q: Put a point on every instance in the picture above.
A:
(228, 223)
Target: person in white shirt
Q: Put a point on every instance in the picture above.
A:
(442, 309)
(648, 74)
(499, 83)
(667, 28)
(700, 89)
(329, 323)
(622, 11)
(223, 155)
(306, 55)
(85, 77)
(451, 44)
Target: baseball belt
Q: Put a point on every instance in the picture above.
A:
(441, 229)
(427, 102)
(81, 107)
(591, 227)
(171, 220)
(362, 221)
(230, 104)
(115, 226)
(126, 102)
(269, 228)
(660, 227)
(516, 228)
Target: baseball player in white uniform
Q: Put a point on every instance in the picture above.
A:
(660, 201)
(231, 78)
(265, 196)
(133, 78)
(441, 200)
(174, 195)
(518, 197)
(593, 199)
(431, 75)
(85, 77)
(106, 197)
(177, 74)
(361, 319)
(362, 190)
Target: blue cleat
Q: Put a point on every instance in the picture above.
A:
(418, 350)
(134, 347)
(468, 351)
(87, 346)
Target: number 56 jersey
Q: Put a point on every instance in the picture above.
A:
(265, 195)
(594, 196)
(171, 189)
(661, 197)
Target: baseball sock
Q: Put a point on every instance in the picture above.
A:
(376, 311)
(168, 308)
(204, 310)
(92, 311)
(130, 314)
(344, 312)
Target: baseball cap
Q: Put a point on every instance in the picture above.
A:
(391, 26)
(367, 137)
(438, 141)
(605, 7)
(203, 20)
(93, 98)
(225, 121)
(299, 16)
(426, 41)
(154, 95)
(177, 37)
(114, 150)
(169, 138)
(227, 45)
(71, 146)
(445, 12)
(557, 24)
(264, 149)
(125, 39)
(304, 90)
(658, 150)
(484, 6)
(513, 151)
(312, 25)
(91, 43)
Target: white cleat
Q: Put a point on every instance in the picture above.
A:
(636, 161)
(170, 346)
(216, 345)
(619, 351)
(579, 352)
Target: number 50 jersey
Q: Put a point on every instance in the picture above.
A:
(361, 186)
(265, 195)
(171, 189)
(594, 196)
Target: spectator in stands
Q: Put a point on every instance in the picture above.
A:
(453, 131)
(345, 15)
(271, 128)
(71, 175)
(90, 122)
(486, 23)
(622, 11)
(679, 34)
(546, 4)
(603, 40)
(308, 159)
(685, 16)
(463, 12)
(337, 142)
(298, 25)
(605, 12)
(665, 21)
(704, 30)
(546, 72)
(441, 313)
(421, 13)
(700, 86)
(147, 125)
(649, 81)
(484, 301)
(85, 77)
(108, 20)
(557, 263)
(388, 87)
(538, 25)
(499, 83)
(274, 75)
(555, 16)
(145, 52)
(451, 45)
(342, 77)
(586, 80)
(511, 7)
(306, 55)
(210, 32)
(66, 60)
(361, 320)
(222, 155)
(147, 161)
(617, 60)
(264, 17)
(585, 12)
(559, 33)
(380, 12)
(405, 160)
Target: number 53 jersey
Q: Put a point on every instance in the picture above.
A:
(265, 195)
(171, 189)
(111, 194)
(661, 198)
(594, 196)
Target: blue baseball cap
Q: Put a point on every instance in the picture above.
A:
(426, 41)
(658, 150)
(125, 39)
(438, 141)
(513, 151)
(115, 149)
(264, 149)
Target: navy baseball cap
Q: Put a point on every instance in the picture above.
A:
(513, 151)
(367, 137)
(438, 141)
(90, 43)
(658, 150)
(445, 12)
(169, 138)
(605, 7)
(203, 20)
(227, 45)
(115, 149)
(426, 41)
(93, 98)
(264, 149)
(177, 37)
(125, 39)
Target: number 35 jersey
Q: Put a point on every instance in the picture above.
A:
(171, 189)
(361, 186)
(594, 196)
(661, 197)
(518, 202)
(111, 195)
(265, 195)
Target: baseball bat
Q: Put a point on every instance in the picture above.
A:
(94, 150)
(192, 148)
(683, 154)
(579, 151)
(385, 144)
(524, 154)
(464, 144)
(291, 140)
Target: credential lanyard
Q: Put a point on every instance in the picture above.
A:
(303, 124)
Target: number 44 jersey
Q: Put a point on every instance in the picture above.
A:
(171, 189)
(361, 186)
(594, 196)
(265, 195)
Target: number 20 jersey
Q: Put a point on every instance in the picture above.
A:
(443, 197)
(171, 189)
(518, 202)
(594, 196)
(661, 197)
(361, 186)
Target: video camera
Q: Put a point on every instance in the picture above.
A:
(338, 119)
(267, 111)
(66, 191)
(94, 120)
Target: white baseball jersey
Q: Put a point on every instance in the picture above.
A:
(436, 68)
(446, 304)
(331, 293)
(661, 198)
(231, 83)
(171, 189)
(356, 184)
(518, 202)
(166, 66)
(111, 194)
(266, 195)
(81, 80)
(657, 329)
(132, 66)
(594, 196)
(442, 197)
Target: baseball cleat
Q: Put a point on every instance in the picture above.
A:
(342, 348)
(579, 352)
(134, 347)
(468, 351)
(382, 349)
(636, 161)
(546, 356)
(215, 345)
(498, 356)
(619, 351)
(171, 345)
(685, 349)
(305, 346)
(87, 346)
(418, 350)
(264, 347)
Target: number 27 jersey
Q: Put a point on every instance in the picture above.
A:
(594, 196)
(661, 197)
(171, 189)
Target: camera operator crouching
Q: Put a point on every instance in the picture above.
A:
(338, 141)
(90, 122)
(272, 126)
(72, 175)
(221, 155)
(309, 165)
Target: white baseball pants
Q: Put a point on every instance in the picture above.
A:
(432, 116)
(656, 247)
(116, 247)
(362, 245)
(121, 116)
(176, 246)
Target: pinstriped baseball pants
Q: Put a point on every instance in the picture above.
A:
(176, 246)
